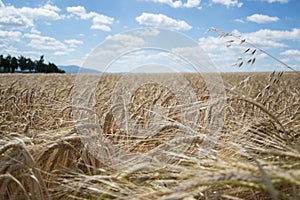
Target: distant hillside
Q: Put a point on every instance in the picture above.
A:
(74, 69)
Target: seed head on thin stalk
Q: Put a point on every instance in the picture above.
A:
(251, 50)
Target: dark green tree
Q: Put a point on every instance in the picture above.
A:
(13, 64)
(23, 63)
(40, 66)
(31, 65)
(6, 63)
(1, 60)
(53, 68)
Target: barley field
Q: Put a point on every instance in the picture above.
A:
(44, 153)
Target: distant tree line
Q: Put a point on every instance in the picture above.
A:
(11, 64)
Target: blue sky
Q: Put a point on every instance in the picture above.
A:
(66, 32)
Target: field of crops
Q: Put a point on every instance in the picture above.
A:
(58, 142)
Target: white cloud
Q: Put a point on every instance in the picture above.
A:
(212, 43)
(45, 42)
(14, 22)
(291, 54)
(239, 20)
(102, 19)
(47, 11)
(148, 32)
(16, 52)
(9, 36)
(274, 35)
(20, 18)
(192, 3)
(265, 39)
(78, 11)
(217, 50)
(35, 31)
(41, 42)
(112, 48)
(99, 21)
(174, 4)
(261, 19)
(229, 3)
(73, 43)
(101, 27)
(11, 18)
(163, 21)
(151, 62)
(224, 57)
(125, 40)
(179, 3)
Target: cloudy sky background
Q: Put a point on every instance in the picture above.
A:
(66, 32)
